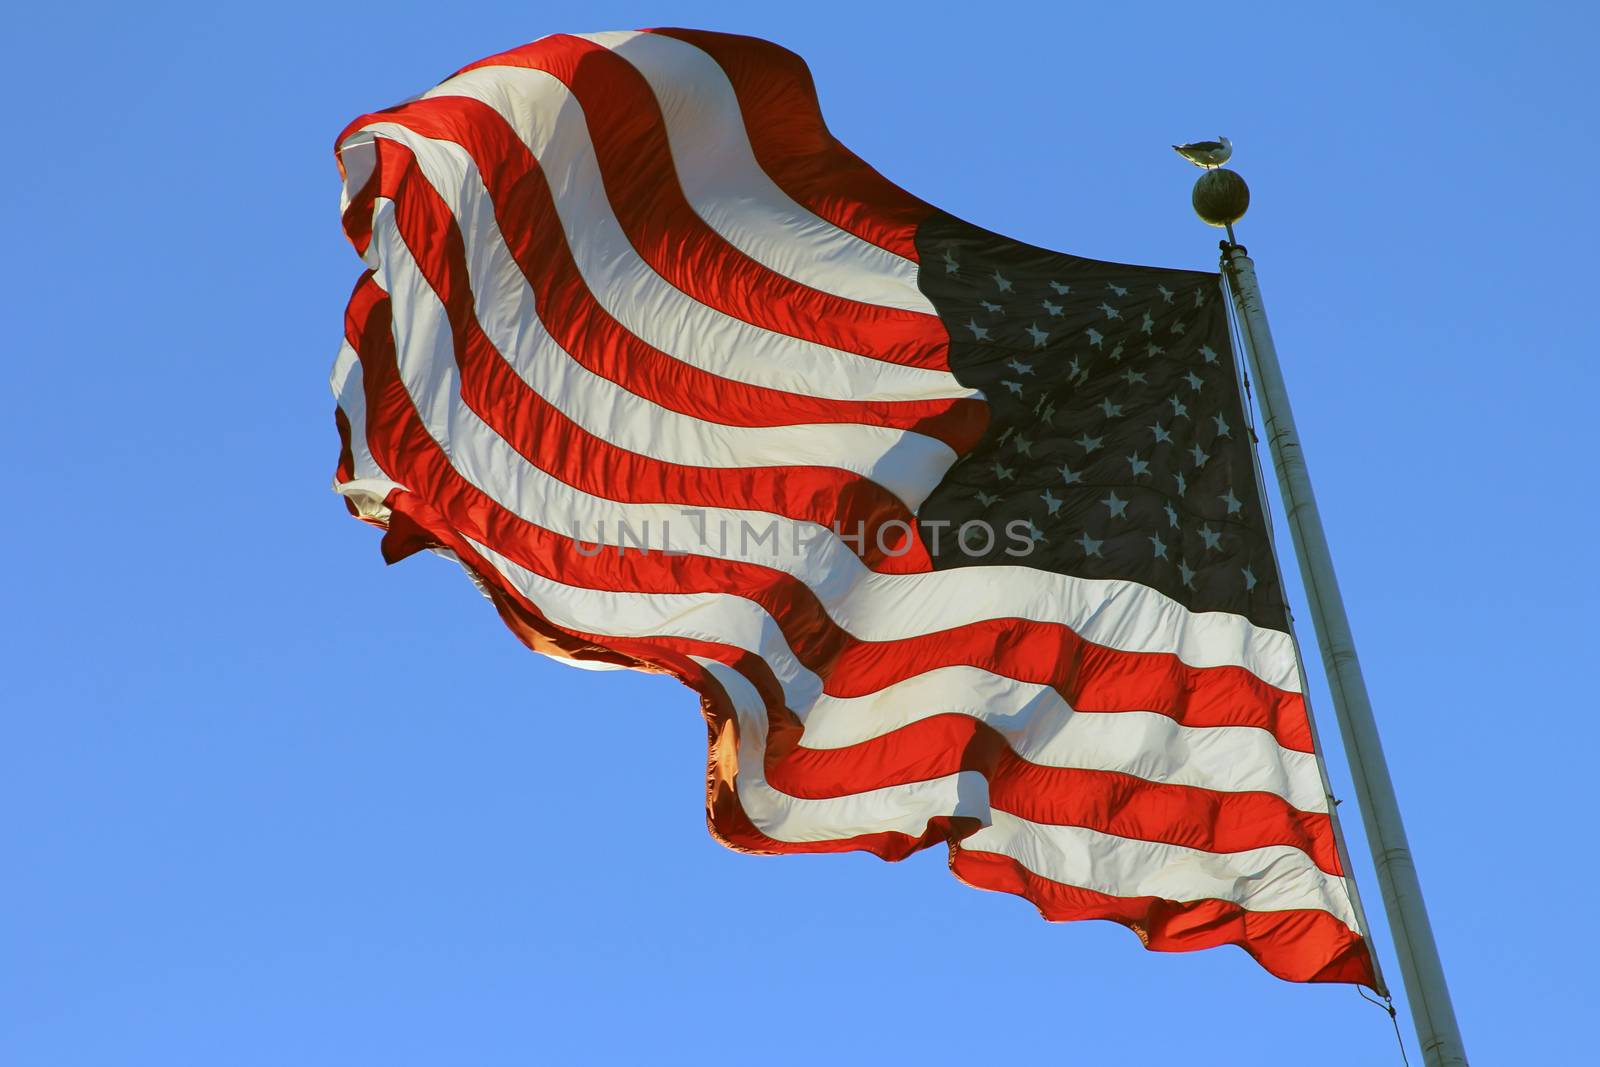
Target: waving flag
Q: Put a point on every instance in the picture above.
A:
(959, 540)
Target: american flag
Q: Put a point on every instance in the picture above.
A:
(959, 540)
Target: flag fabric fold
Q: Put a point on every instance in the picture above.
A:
(958, 540)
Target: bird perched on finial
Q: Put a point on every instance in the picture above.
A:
(1207, 154)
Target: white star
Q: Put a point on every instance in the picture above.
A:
(1049, 413)
(1212, 538)
(1199, 456)
(1088, 444)
(1166, 294)
(1053, 309)
(1172, 516)
(1019, 366)
(1119, 290)
(950, 264)
(1148, 323)
(1186, 573)
(1222, 425)
(1161, 433)
(993, 309)
(1001, 282)
(1111, 312)
(1249, 579)
(1116, 354)
(1091, 547)
(1111, 410)
(1194, 380)
(1179, 408)
(1061, 290)
(1199, 298)
(1005, 474)
(1233, 502)
(1153, 350)
(1015, 387)
(1035, 534)
(979, 333)
(1118, 506)
(1024, 446)
(1158, 546)
(1068, 475)
(1134, 377)
(1095, 336)
(1073, 369)
(1183, 483)
(1138, 465)
(1039, 336)
(1177, 327)
(1052, 504)
(988, 500)
(1208, 353)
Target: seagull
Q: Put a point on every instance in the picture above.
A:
(1207, 154)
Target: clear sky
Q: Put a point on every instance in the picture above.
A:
(265, 801)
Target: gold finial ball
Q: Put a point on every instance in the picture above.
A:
(1221, 197)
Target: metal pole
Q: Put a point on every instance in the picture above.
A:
(1420, 967)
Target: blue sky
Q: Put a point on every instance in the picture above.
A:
(266, 801)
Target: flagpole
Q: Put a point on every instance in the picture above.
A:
(1220, 199)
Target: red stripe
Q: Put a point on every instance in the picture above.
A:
(791, 142)
(1303, 945)
(1090, 677)
(345, 471)
(549, 440)
(357, 216)
(527, 218)
(346, 468)
(1107, 801)
(641, 182)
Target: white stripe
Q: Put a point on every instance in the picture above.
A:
(356, 163)
(726, 186)
(1273, 878)
(370, 486)
(902, 808)
(873, 607)
(907, 464)
(1044, 729)
(543, 113)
